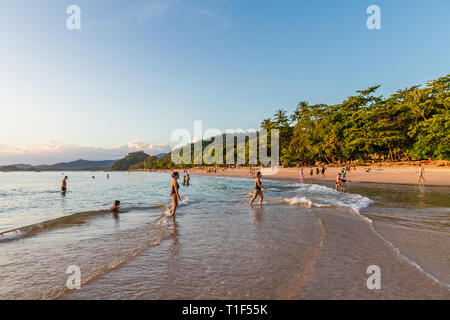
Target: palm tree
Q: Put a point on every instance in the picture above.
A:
(280, 118)
(301, 107)
(267, 124)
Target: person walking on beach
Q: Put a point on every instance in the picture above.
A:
(64, 185)
(421, 172)
(311, 172)
(323, 170)
(174, 186)
(258, 190)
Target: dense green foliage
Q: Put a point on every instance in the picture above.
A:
(411, 124)
(131, 159)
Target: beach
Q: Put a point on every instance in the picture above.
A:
(434, 175)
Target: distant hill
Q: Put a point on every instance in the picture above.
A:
(22, 166)
(131, 159)
(86, 165)
(78, 165)
(160, 155)
(9, 168)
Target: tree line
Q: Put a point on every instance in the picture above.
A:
(411, 124)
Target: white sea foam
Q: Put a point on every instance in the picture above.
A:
(299, 200)
(16, 234)
(184, 202)
(322, 196)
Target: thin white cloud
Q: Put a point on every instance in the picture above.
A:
(154, 7)
(53, 152)
(215, 19)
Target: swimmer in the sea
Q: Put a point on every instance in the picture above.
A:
(116, 207)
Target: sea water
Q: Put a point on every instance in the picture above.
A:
(306, 241)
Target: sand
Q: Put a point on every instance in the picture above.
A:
(395, 174)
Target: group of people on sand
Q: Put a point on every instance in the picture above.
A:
(319, 170)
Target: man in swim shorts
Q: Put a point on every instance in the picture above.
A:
(64, 185)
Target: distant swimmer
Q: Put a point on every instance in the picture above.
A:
(93, 177)
(116, 207)
(64, 185)
(258, 190)
(174, 186)
(421, 172)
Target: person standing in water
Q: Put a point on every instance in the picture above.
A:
(188, 179)
(343, 178)
(64, 185)
(258, 190)
(338, 182)
(421, 172)
(174, 186)
(302, 177)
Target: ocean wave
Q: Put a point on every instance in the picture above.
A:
(65, 221)
(321, 196)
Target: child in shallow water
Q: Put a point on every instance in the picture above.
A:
(115, 208)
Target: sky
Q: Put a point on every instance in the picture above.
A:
(138, 70)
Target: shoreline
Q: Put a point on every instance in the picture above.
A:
(434, 176)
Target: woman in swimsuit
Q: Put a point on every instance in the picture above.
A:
(174, 186)
(257, 191)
